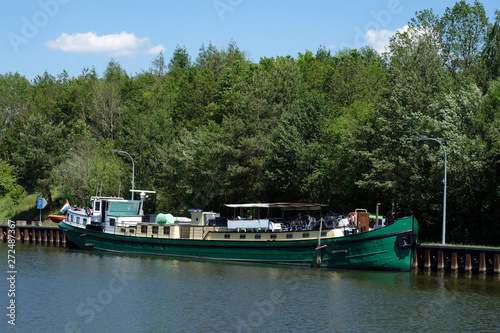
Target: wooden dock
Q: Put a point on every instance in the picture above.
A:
(33, 233)
(479, 260)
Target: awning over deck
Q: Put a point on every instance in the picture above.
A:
(282, 205)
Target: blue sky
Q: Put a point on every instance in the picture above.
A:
(57, 35)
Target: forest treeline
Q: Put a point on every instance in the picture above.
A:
(340, 129)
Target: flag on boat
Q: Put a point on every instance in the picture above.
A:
(65, 207)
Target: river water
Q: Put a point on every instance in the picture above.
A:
(66, 290)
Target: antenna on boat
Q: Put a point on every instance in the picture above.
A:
(143, 196)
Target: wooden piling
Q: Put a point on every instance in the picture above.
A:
(414, 263)
(28, 233)
(18, 233)
(468, 262)
(482, 262)
(454, 261)
(440, 260)
(427, 260)
(458, 258)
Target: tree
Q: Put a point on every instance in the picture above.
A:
(192, 167)
(450, 119)
(464, 30)
(486, 123)
(416, 70)
(158, 65)
(15, 92)
(106, 110)
(41, 146)
(8, 184)
(345, 157)
(90, 169)
(291, 164)
(211, 58)
(491, 51)
(180, 59)
(352, 75)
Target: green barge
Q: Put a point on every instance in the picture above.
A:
(119, 225)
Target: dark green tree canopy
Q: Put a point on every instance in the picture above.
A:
(339, 128)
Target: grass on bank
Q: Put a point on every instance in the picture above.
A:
(462, 245)
(26, 210)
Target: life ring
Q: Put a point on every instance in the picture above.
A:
(353, 217)
(88, 211)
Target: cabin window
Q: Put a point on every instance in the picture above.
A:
(72, 218)
(289, 235)
(155, 229)
(144, 229)
(112, 222)
(258, 236)
(305, 235)
(273, 236)
(323, 233)
(227, 236)
(84, 221)
(166, 230)
(243, 236)
(123, 230)
(97, 206)
(78, 220)
(131, 231)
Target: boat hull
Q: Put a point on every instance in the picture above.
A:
(388, 248)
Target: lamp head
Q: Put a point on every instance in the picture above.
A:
(423, 137)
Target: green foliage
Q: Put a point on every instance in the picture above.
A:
(41, 145)
(8, 184)
(463, 29)
(338, 128)
(91, 169)
(291, 165)
(491, 49)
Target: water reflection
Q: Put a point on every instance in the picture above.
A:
(97, 291)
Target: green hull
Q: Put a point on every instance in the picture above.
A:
(388, 248)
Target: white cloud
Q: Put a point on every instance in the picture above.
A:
(380, 40)
(156, 49)
(122, 44)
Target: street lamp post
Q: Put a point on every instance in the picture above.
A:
(423, 137)
(133, 168)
